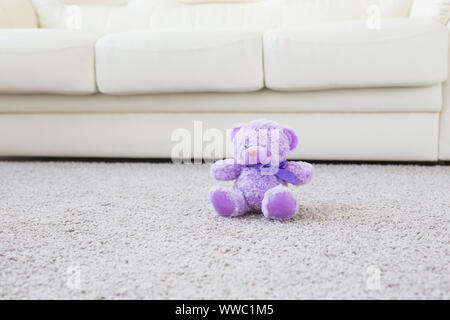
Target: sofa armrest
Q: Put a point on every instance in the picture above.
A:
(17, 14)
(444, 144)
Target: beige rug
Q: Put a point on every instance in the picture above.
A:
(71, 230)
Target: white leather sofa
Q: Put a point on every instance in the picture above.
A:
(356, 79)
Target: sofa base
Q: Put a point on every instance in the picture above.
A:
(323, 136)
(444, 143)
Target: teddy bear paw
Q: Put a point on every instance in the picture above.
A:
(226, 202)
(279, 203)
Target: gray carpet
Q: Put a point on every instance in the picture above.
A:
(72, 230)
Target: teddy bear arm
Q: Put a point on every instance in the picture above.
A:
(225, 170)
(303, 172)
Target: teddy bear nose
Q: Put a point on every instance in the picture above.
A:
(256, 154)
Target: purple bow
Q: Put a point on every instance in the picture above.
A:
(282, 172)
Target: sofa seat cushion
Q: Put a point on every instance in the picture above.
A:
(180, 60)
(364, 100)
(349, 54)
(46, 61)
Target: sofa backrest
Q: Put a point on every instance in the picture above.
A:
(119, 15)
(17, 14)
(301, 12)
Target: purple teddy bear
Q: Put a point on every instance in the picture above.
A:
(261, 172)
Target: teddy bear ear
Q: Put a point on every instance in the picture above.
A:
(234, 130)
(293, 139)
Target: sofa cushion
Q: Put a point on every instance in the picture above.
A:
(90, 15)
(178, 60)
(306, 12)
(46, 61)
(435, 10)
(17, 14)
(123, 15)
(215, 1)
(364, 100)
(348, 54)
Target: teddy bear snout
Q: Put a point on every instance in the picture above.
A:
(255, 155)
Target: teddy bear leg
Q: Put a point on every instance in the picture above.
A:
(279, 203)
(228, 203)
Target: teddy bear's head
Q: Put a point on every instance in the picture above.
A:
(262, 142)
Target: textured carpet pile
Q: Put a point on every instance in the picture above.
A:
(75, 230)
